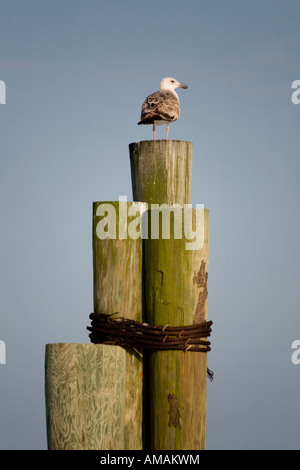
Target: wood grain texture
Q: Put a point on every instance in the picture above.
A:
(161, 171)
(85, 396)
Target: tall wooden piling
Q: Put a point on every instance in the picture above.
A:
(175, 291)
(94, 391)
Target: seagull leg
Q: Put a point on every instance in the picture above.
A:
(153, 131)
(167, 131)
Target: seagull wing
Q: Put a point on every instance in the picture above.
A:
(160, 106)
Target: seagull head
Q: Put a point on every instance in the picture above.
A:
(171, 84)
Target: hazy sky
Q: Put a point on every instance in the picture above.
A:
(76, 74)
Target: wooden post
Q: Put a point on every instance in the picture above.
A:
(161, 171)
(175, 291)
(94, 392)
(85, 397)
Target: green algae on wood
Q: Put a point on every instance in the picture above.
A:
(176, 294)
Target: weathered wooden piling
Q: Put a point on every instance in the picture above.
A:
(175, 292)
(85, 395)
(94, 391)
(176, 295)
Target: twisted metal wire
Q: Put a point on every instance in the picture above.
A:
(132, 334)
(116, 330)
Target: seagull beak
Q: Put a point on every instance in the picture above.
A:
(182, 85)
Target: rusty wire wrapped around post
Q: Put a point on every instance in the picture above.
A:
(119, 331)
(132, 334)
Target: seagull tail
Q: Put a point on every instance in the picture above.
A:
(146, 121)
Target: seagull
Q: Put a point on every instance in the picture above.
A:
(162, 107)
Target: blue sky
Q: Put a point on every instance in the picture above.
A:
(76, 74)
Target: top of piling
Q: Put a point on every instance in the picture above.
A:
(161, 171)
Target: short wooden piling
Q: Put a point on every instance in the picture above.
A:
(85, 396)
